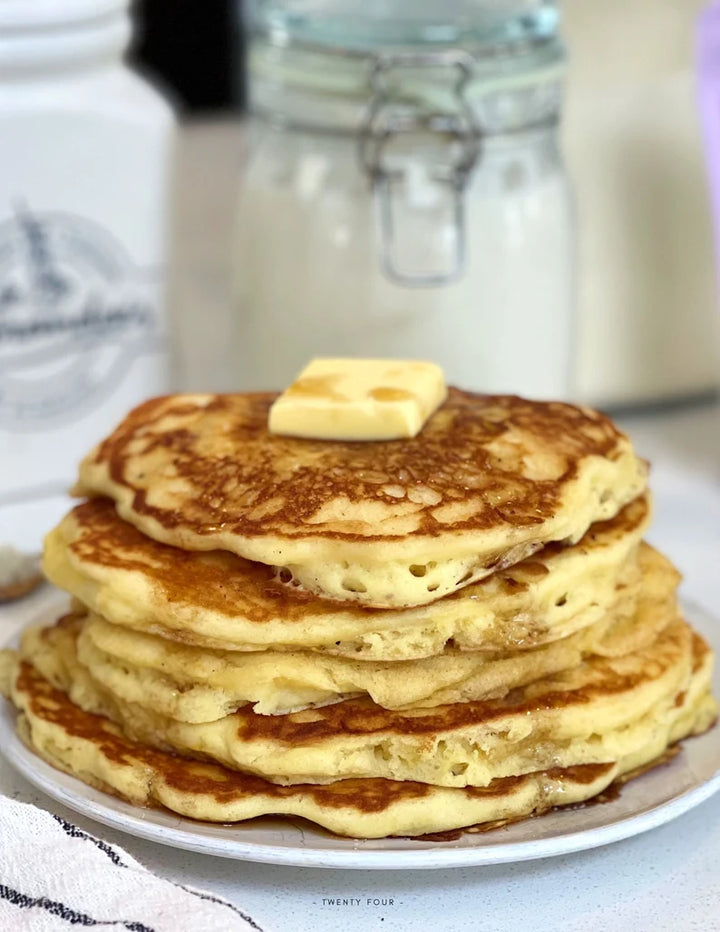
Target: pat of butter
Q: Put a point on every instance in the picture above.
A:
(359, 399)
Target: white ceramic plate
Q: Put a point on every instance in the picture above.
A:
(647, 802)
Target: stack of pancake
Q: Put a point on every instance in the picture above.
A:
(386, 638)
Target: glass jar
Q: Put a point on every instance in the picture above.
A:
(407, 199)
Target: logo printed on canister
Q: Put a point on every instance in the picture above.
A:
(74, 313)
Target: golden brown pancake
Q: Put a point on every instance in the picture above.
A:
(602, 710)
(95, 750)
(488, 481)
(218, 600)
(199, 685)
(480, 590)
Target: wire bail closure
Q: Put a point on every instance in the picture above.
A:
(388, 119)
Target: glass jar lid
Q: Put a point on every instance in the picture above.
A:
(322, 63)
(366, 25)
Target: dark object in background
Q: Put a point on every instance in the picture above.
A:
(193, 48)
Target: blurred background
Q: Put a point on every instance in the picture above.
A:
(618, 304)
(205, 195)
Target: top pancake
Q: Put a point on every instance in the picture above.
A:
(489, 480)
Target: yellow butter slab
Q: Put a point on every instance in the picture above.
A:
(359, 399)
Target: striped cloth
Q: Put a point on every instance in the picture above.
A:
(54, 876)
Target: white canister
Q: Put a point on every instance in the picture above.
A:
(85, 149)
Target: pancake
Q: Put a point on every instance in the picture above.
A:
(601, 710)
(92, 748)
(220, 601)
(196, 684)
(486, 483)
(95, 750)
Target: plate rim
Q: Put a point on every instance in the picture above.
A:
(142, 823)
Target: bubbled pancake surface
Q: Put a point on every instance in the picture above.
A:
(489, 480)
(218, 600)
(198, 684)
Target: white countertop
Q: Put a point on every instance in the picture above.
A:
(667, 878)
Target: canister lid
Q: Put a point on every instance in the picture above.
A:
(29, 15)
(41, 36)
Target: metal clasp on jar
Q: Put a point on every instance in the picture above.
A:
(420, 161)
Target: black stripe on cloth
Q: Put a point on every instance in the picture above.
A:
(74, 832)
(75, 918)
